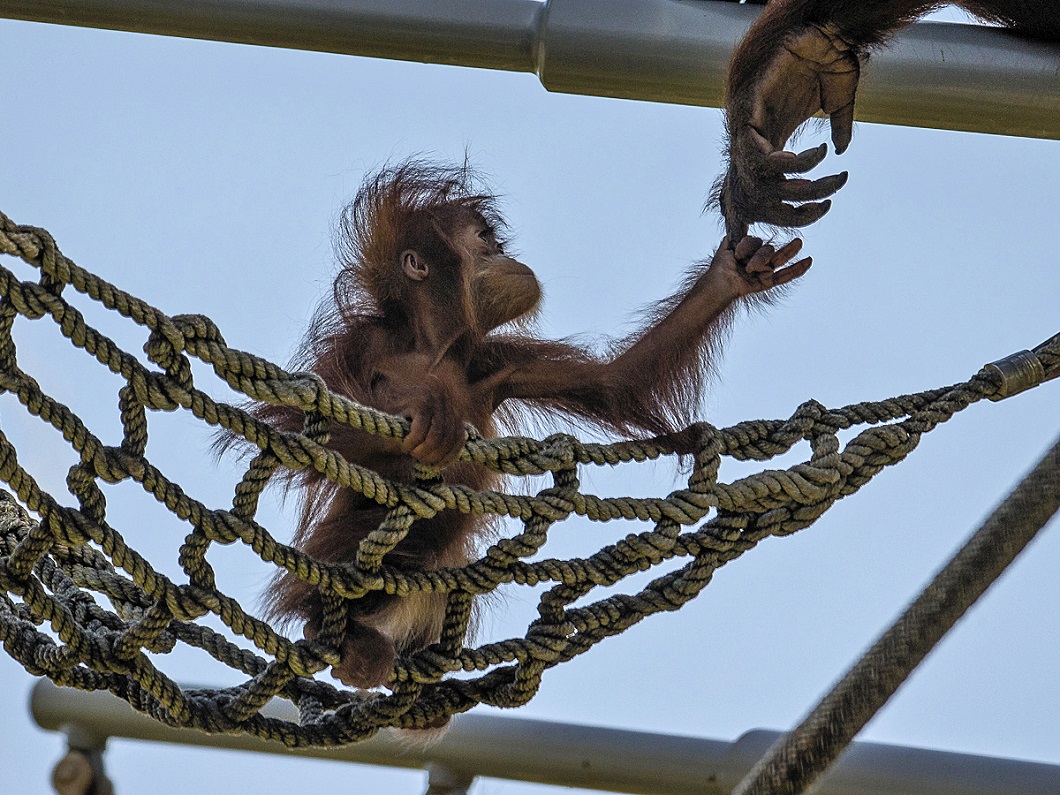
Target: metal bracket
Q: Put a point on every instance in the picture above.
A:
(81, 771)
(443, 781)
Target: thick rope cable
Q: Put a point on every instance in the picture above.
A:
(110, 614)
(800, 757)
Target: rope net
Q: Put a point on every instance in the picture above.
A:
(53, 568)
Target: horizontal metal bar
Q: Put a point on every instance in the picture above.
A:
(494, 34)
(575, 756)
(960, 77)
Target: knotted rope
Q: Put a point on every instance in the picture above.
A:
(53, 567)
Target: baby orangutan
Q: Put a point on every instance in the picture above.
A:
(425, 324)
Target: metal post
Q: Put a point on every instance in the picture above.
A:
(442, 781)
(959, 77)
(81, 771)
(579, 756)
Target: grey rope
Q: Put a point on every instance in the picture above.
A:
(800, 757)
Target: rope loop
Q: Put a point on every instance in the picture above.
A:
(63, 569)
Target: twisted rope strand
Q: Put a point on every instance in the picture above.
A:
(800, 757)
(53, 567)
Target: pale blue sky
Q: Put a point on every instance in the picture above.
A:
(224, 166)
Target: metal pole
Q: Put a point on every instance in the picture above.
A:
(959, 77)
(576, 756)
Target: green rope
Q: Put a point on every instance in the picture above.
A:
(51, 566)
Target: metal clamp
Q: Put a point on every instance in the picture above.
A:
(1019, 372)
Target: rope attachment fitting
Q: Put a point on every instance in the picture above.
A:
(1023, 370)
